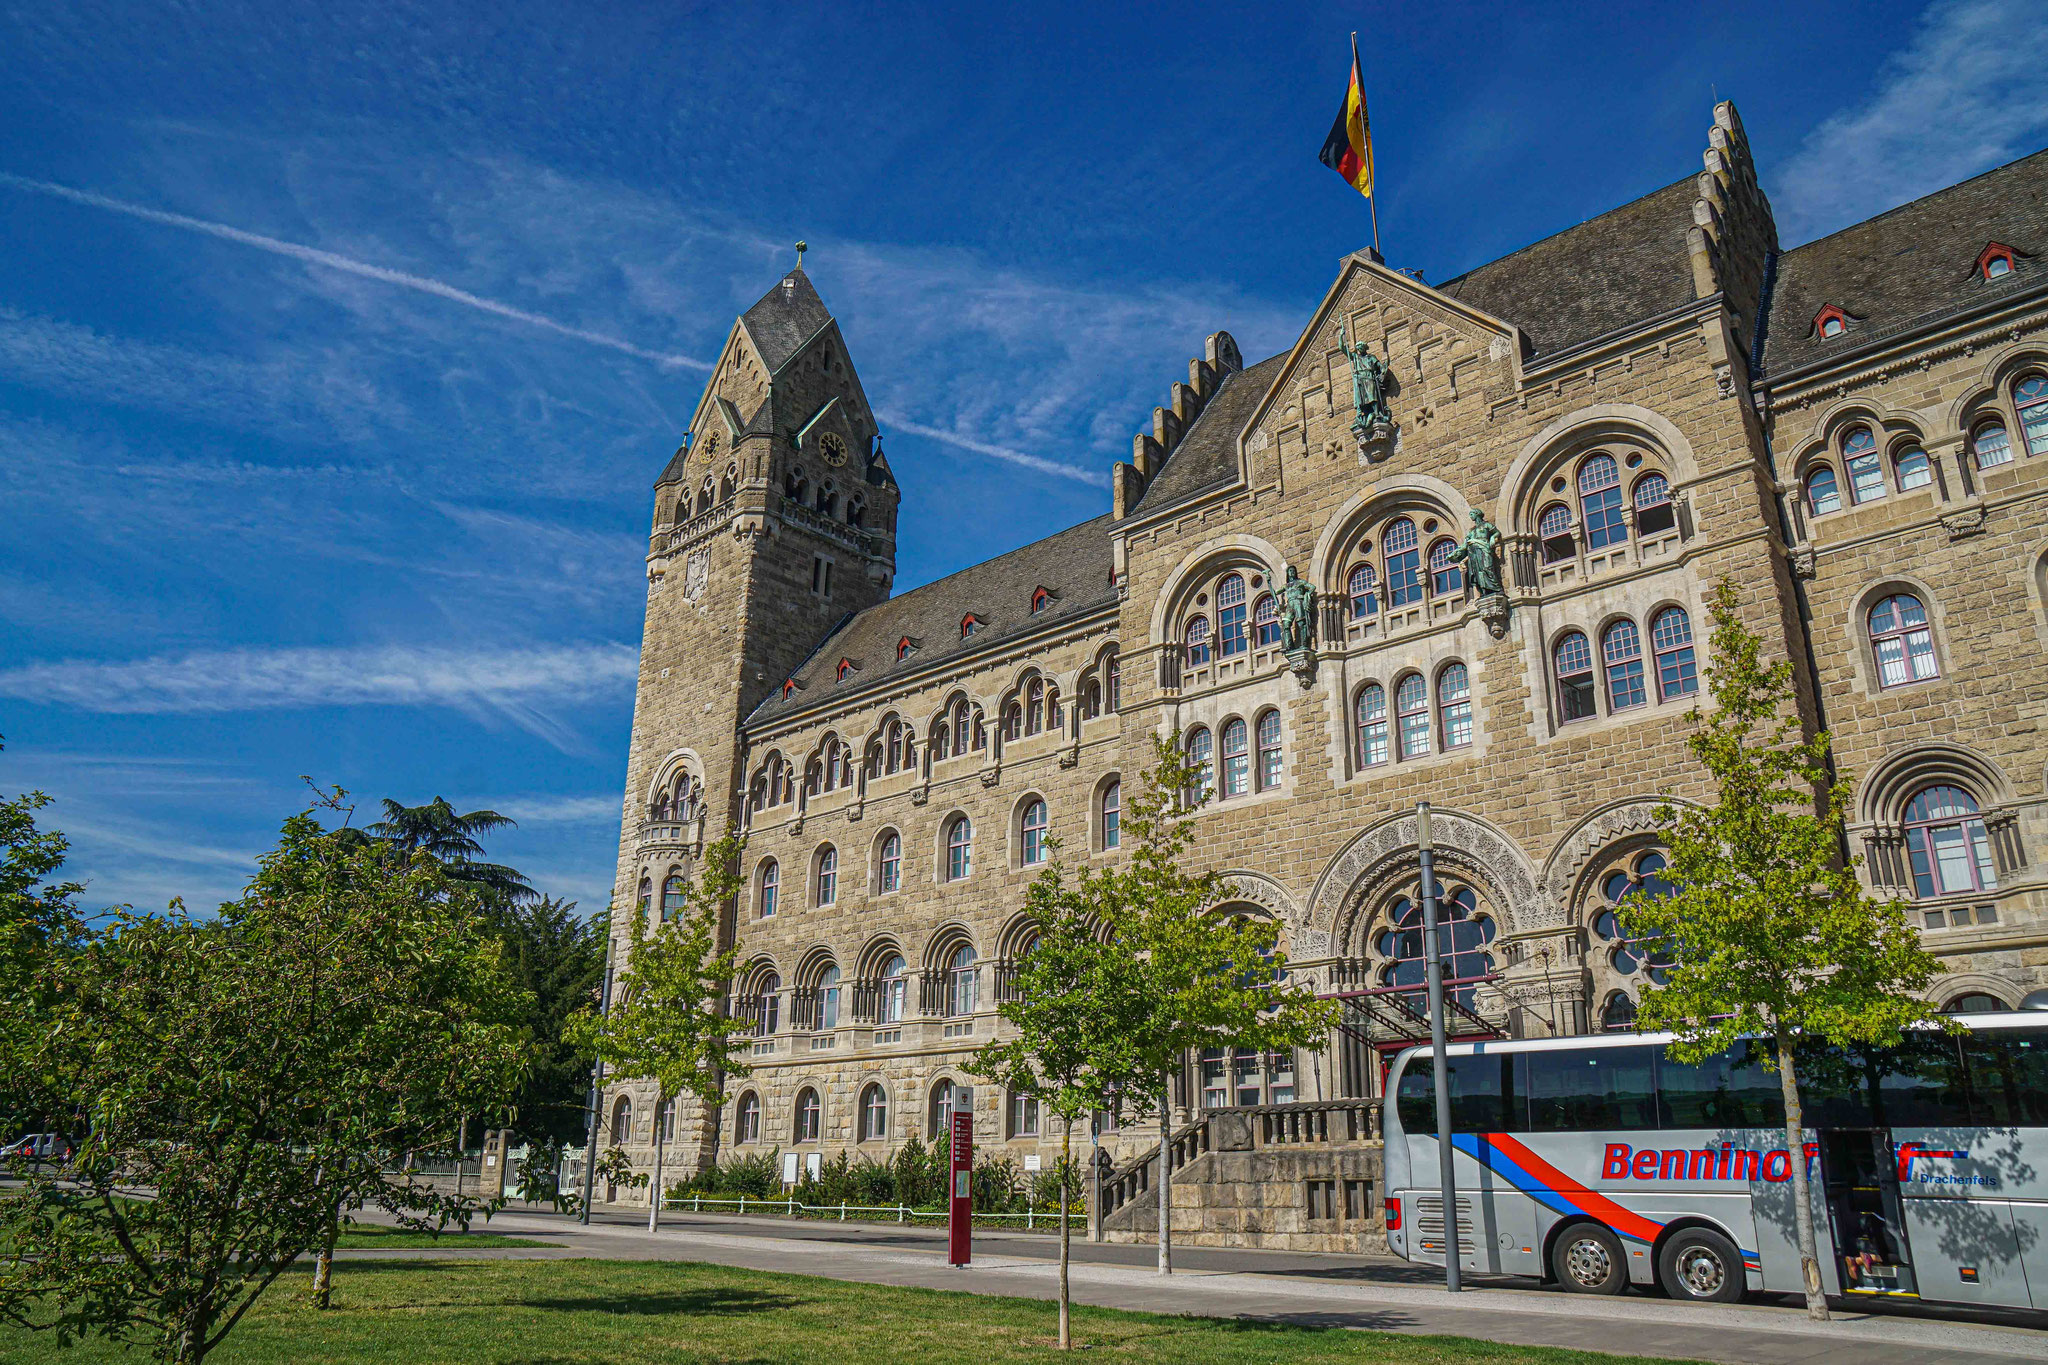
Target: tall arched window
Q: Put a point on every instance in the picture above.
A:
(768, 1005)
(1034, 706)
(1034, 825)
(1404, 563)
(1269, 750)
(1197, 641)
(894, 991)
(2031, 398)
(1677, 670)
(1265, 621)
(1654, 512)
(1621, 648)
(945, 1098)
(1947, 844)
(1574, 660)
(889, 875)
(1554, 529)
(1411, 712)
(771, 881)
(1989, 444)
(750, 1118)
(1372, 725)
(828, 875)
(1445, 576)
(807, 1114)
(672, 895)
(959, 848)
(1866, 471)
(1823, 494)
(1364, 592)
(645, 903)
(1619, 1014)
(962, 977)
(1202, 758)
(1912, 468)
(1112, 815)
(1013, 721)
(1454, 705)
(1231, 637)
(828, 996)
(874, 1114)
(1236, 757)
(622, 1122)
(1600, 502)
(1902, 641)
(665, 1120)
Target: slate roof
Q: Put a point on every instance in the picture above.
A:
(1914, 264)
(1628, 264)
(784, 319)
(1075, 564)
(1207, 453)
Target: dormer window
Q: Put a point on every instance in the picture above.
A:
(789, 689)
(903, 648)
(1040, 600)
(845, 670)
(1831, 321)
(969, 624)
(1994, 261)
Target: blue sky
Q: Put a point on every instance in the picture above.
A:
(340, 344)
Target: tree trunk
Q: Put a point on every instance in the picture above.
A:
(1066, 1171)
(1166, 1177)
(323, 1264)
(1802, 1204)
(654, 1191)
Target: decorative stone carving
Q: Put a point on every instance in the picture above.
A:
(1070, 757)
(1963, 522)
(1805, 563)
(1261, 890)
(1311, 943)
(696, 573)
(1493, 609)
(1568, 861)
(1463, 844)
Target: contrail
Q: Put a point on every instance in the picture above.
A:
(1016, 457)
(348, 266)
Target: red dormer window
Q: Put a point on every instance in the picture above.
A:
(1994, 260)
(1830, 321)
(789, 689)
(903, 648)
(845, 670)
(969, 624)
(1040, 600)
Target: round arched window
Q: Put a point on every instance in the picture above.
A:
(874, 1114)
(750, 1118)
(959, 848)
(894, 991)
(1034, 827)
(1975, 1002)
(1947, 844)
(1465, 934)
(1627, 953)
(808, 1112)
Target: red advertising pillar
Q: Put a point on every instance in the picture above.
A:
(960, 1195)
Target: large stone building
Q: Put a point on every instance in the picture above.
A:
(1855, 431)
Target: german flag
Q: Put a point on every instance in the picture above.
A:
(1348, 148)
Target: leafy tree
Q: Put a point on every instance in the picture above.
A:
(1204, 980)
(558, 958)
(1771, 931)
(39, 921)
(256, 1073)
(668, 1021)
(451, 839)
(1076, 1006)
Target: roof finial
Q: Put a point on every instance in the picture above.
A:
(800, 249)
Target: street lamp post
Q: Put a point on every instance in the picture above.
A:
(1433, 964)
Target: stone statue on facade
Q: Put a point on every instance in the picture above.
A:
(1480, 554)
(1297, 613)
(1368, 385)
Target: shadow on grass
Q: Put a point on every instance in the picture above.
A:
(707, 1302)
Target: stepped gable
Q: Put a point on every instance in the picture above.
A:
(1207, 456)
(1913, 265)
(1627, 265)
(785, 318)
(1074, 564)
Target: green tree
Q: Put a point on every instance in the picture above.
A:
(1205, 979)
(1771, 931)
(1075, 1005)
(452, 839)
(255, 1073)
(668, 1021)
(39, 921)
(558, 957)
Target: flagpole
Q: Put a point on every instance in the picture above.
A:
(1371, 201)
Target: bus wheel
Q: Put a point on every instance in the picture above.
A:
(1586, 1259)
(1700, 1265)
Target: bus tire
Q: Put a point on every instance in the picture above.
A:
(1699, 1265)
(1586, 1259)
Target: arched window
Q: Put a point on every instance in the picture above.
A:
(768, 1005)
(961, 979)
(1363, 588)
(1230, 609)
(1034, 706)
(622, 1122)
(1269, 750)
(856, 512)
(945, 1098)
(771, 881)
(705, 496)
(1600, 502)
(1912, 469)
(665, 1121)
(1975, 1002)
(1866, 471)
(750, 1118)
(1202, 758)
(969, 624)
(1112, 815)
(889, 875)
(828, 875)
(1619, 1015)
(1902, 641)
(807, 1114)
(1112, 685)
(894, 992)
(1445, 576)
(1989, 444)
(1404, 563)
(1655, 513)
(645, 903)
(1622, 650)
(672, 895)
(1671, 637)
(828, 996)
(1463, 931)
(1053, 715)
(959, 848)
(1823, 494)
(1411, 712)
(1832, 323)
(1040, 600)
(1236, 758)
(1013, 721)
(1265, 621)
(1033, 849)
(729, 484)
(1947, 845)
(1372, 725)
(2031, 398)
(1631, 954)
(1574, 659)
(1554, 529)
(874, 1114)
(1454, 705)
(1091, 699)
(961, 733)
(1197, 641)
(1023, 1115)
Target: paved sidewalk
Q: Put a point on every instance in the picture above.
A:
(1334, 1291)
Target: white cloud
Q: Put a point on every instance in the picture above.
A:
(562, 810)
(1965, 94)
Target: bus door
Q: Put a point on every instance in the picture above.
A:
(1861, 1189)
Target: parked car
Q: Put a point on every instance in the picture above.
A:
(38, 1147)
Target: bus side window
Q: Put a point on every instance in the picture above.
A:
(1730, 1089)
(1586, 1089)
(2008, 1071)
(1482, 1095)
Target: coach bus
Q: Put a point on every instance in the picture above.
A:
(1596, 1163)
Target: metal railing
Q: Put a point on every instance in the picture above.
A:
(789, 1207)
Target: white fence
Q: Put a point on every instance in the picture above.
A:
(788, 1207)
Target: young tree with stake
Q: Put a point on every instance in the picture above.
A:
(1771, 932)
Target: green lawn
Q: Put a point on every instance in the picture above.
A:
(640, 1313)
(372, 1235)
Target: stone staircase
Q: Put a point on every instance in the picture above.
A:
(1292, 1177)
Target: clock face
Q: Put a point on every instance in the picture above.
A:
(834, 450)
